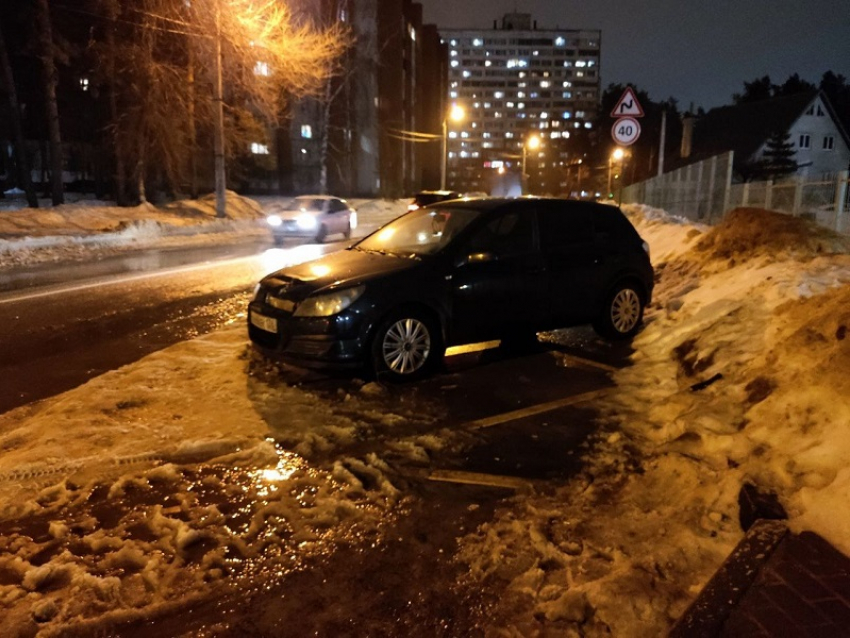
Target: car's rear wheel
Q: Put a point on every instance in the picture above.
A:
(622, 313)
(407, 346)
(323, 232)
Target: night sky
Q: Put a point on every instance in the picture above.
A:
(697, 52)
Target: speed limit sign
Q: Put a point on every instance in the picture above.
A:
(625, 131)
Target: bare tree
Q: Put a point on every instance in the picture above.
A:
(21, 160)
(49, 79)
(172, 57)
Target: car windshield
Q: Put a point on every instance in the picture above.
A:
(305, 204)
(422, 232)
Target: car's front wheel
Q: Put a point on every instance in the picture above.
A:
(323, 232)
(622, 313)
(407, 346)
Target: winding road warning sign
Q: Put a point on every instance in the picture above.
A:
(628, 105)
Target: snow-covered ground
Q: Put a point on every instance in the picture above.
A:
(88, 229)
(119, 523)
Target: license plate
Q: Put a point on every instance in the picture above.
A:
(269, 324)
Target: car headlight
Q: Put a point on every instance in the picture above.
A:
(329, 304)
(274, 220)
(352, 219)
(306, 222)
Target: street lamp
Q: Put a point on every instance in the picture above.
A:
(456, 114)
(532, 143)
(617, 156)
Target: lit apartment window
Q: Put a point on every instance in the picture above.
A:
(559, 41)
(84, 84)
(545, 84)
(453, 53)
(498, 95)
(306, 131)
(259, 149)
(453, 94)
(828, 143)
(555, 134)
(262, 68)
(581, 64)
(477, 42)
(805, 141)
(455, 63)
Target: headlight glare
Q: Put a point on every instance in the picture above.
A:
(329, 304)
(274, 220)
(306, 222)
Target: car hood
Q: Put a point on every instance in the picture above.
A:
(295, 214)
(336, 270)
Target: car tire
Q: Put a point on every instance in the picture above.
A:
(278, 240)
(347, 231)
(622, 313)
(323, 232)
(407, 346)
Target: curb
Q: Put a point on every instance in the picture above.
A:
(706, 615)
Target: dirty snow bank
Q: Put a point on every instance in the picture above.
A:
(740, 376)
(85, 229)
(192, 471)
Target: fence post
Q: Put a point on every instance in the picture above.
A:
(840, 198)
(727, 189)
(745, 197)
(798, 197)
(712, 171)
(768, 194)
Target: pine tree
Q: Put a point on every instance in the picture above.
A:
(778, 159)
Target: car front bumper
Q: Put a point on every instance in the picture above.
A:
(326, 342)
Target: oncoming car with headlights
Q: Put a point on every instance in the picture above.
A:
(313, 217)
(454, 273)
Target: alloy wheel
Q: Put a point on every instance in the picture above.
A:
(406, 346)
(625, 310)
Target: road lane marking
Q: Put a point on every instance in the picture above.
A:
(587, 362)
(535, 409)
(476, 478)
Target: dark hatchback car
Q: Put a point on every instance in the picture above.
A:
(454, 273)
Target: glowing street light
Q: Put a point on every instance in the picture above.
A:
(456, 114)
(532, 143)
(617, 157)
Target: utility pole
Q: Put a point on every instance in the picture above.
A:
(218, 99)
(663, 139)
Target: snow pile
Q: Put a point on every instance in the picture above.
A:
(740, 376)
(87, 228)
(79, 230)
(109, 515)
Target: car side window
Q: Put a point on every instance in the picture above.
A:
(509, 234)
(563, 227)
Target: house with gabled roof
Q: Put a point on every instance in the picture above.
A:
(821, 144)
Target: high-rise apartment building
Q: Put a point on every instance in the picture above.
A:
(515, 82)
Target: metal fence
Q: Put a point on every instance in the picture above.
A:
(704, 191)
